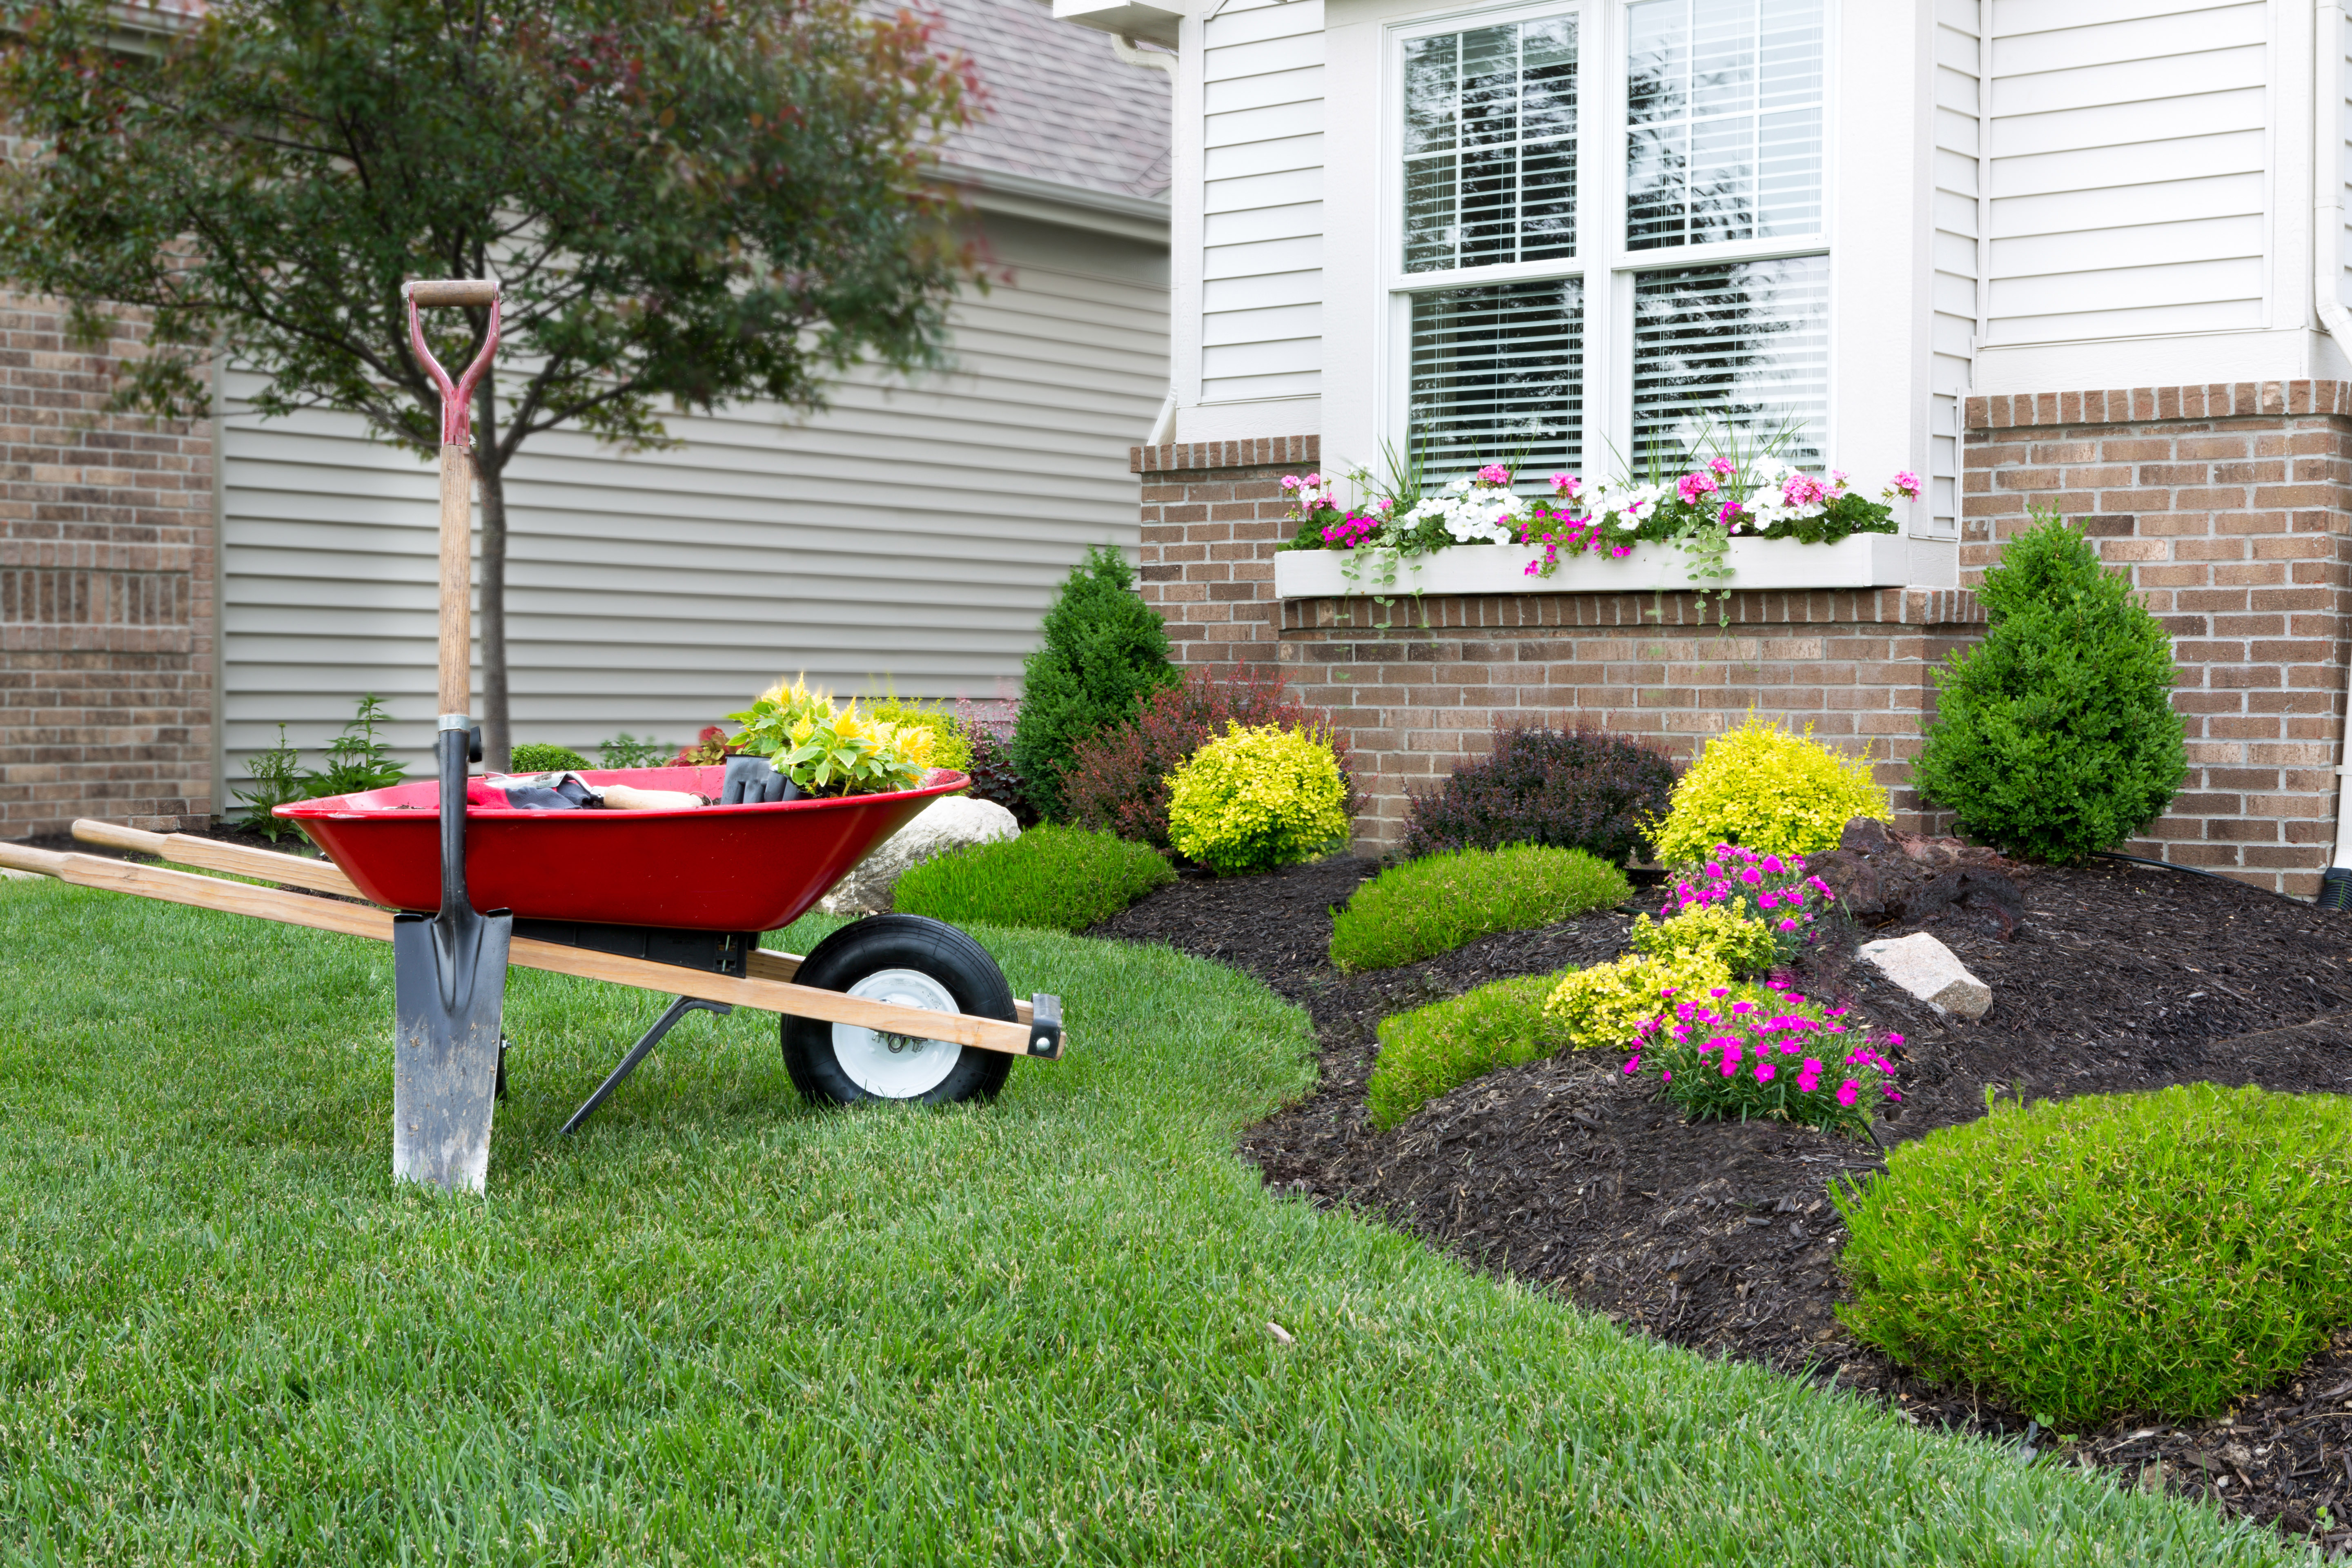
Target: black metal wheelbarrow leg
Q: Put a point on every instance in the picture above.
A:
(677, 1009)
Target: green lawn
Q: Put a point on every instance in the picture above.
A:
(718, 1327)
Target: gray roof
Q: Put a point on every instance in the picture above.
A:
(1057, 104)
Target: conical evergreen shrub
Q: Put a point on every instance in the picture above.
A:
(1105, 650)
(2056, 738)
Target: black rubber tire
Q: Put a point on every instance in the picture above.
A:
(900, 942)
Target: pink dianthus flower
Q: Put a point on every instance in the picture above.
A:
(1847, 1091)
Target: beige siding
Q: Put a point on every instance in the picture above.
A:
(909, 537)
(1954, 160)
(2129, 159)
(1262, 225)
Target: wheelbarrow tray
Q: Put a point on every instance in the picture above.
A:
(715, 867)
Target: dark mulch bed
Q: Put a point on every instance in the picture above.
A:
(1720, 1236)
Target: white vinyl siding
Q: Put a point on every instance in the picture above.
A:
(909, 537)
(1262, 201)
(2129, 161)
(1955, 252)
(2342, 109)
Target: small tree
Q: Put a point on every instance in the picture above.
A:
(2057, 737)
(698, 201)
(1105, 650)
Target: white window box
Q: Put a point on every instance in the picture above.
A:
(1857, 560)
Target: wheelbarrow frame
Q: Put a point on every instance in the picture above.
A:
(716, 971)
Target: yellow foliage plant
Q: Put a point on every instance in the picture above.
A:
(1607, 1005)
(1255, 798)
(1727, 932)
(1762, 787)
(833, 751)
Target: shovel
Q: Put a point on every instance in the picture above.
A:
(449, 970)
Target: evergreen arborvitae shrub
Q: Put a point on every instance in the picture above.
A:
(2057, 737)
(1105, 650)
(1570, 789)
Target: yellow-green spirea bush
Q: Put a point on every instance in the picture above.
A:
(1726, 932)
(1257, 798)
(1608, 1003)
(1768, 789)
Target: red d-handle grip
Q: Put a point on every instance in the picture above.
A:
(457, 398)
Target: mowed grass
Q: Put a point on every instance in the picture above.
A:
(718, 1327)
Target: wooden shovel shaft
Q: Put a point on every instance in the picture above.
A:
(359, 920)
(456, 579)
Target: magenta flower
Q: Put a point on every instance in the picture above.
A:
(1847, 1090)
(1764, 1072)
(1690, 487)
(1771, 901)
(1788, 925)
(1493, 474)
(1721, 466)
(1636, 1065)
(1667, 1075)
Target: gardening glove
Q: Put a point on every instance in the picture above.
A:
(751, 780)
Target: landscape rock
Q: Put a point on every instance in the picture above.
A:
(951, 822)
(1929, 971)
(1880, 875)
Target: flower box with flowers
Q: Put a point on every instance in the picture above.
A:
(1723, 525)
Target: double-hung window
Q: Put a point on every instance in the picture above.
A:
(1609, 235)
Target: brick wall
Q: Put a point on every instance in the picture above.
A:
(106, 592)
(1420, 687)
(2228, 504)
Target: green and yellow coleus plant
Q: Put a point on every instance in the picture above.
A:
(827, 750)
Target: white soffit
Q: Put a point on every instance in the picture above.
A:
(1146, 24)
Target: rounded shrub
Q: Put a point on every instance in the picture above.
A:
(1257, 798)
(1104, 650)
(1117, 778)
(951, 747)
(1055, 878)
(1434, 905)
(1571, 789)
(536, 757)
(2082, 1259)
(1725, 932)
(1608, 1003)
(2057, 737)
(1760, 785)
(1430, 1051)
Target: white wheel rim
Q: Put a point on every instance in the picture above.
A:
(896, 1067)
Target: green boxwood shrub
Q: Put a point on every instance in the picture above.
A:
(1104, 651)
(536, 757)
(2057, 737)
(1058, 878)
(1434, 905)
(1432, 1049)
(2082, 1259)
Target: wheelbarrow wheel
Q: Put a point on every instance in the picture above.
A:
(916, 961)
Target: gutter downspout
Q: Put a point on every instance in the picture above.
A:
(2326, 239)
(1124, 48)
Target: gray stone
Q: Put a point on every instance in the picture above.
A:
(1929, 971)
(951, 822)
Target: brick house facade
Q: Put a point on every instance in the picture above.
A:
(2227, 504)
(107, 575)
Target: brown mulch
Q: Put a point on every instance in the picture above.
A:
(1720, 1236)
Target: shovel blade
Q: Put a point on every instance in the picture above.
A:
(449, 983)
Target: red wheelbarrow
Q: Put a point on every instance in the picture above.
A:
(895, 1007)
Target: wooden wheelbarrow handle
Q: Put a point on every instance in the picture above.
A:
(237, 859)
(759, 991)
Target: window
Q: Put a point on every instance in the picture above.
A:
(1695, 294)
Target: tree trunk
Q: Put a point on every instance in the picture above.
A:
(498, 733)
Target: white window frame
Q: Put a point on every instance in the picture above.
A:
(1602, 260)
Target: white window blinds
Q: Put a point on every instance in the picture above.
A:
(1724, 105)
(1745, 345)
(1490, 146)
(1498, 376)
